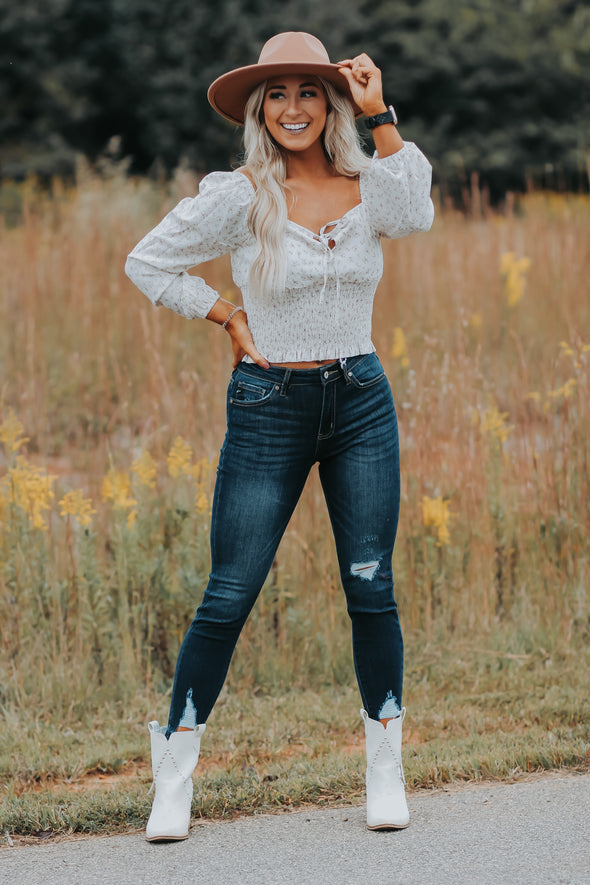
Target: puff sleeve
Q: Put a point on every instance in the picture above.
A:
(197, 229)
(396, 193)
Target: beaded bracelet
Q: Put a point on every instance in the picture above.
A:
(228, 318)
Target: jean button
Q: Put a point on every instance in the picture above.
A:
(326, 374)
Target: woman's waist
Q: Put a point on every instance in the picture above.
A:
(302, 355)
(330, 370)
(307, 364)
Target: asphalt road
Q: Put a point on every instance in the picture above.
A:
(536, 831)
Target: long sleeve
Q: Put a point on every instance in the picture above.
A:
(396, 193)
(196, 230)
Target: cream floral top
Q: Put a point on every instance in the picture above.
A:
(326, 307)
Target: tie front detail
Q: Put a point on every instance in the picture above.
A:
(330, 265)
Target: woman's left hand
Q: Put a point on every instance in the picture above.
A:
(364, 78)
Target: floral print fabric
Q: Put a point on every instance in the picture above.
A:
(325, 310)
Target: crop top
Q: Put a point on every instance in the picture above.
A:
(331, 277)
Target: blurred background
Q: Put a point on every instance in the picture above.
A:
(500, 88)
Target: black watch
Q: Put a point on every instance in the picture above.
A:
(388, 116)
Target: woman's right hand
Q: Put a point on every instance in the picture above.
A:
(242, 342)
(237, 327)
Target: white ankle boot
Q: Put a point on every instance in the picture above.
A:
(173, 762)
(386, 796)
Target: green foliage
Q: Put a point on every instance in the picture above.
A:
(487, 86)
(494, 87)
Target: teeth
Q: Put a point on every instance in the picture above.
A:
(294, 127)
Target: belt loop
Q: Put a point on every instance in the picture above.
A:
(285, 384)
(344, 369)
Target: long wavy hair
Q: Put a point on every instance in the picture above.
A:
(266, 163)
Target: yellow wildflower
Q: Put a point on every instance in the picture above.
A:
(566, 349)
(476, 321)
(179, 458)
(566, 390)
(146, 469)
(534, 395)
(116, 487)
(201, 500)
(10, 430)
(399, 351)
(131, 517)
(76, 505)
(30, 489)
(494, 422)
(569, 387)
(514, 272)
(436, 513)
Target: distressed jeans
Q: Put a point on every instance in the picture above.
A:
(279, 423)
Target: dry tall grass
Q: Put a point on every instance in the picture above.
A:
(489, 358)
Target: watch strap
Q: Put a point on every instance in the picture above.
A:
(388, 116)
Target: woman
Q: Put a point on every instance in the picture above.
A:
(303, 220)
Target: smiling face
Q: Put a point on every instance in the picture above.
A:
(295, 109)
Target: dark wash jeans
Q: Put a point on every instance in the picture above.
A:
(279, 423)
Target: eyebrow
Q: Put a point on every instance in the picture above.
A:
(301, 86)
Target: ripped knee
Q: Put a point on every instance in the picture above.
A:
(365, 570)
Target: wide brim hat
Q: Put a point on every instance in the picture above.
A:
(292, 52)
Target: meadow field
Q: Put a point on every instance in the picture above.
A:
(111, 418)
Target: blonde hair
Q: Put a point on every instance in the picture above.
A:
(266, 164)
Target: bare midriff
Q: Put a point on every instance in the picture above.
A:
(313, 364)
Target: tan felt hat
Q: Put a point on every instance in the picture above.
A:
(289, 53)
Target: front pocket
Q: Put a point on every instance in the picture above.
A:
(367, 372)
(251, 392)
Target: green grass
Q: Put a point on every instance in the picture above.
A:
(473, 714)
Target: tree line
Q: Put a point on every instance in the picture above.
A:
(500, 88)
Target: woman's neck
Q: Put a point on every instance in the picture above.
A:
(310, 164)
